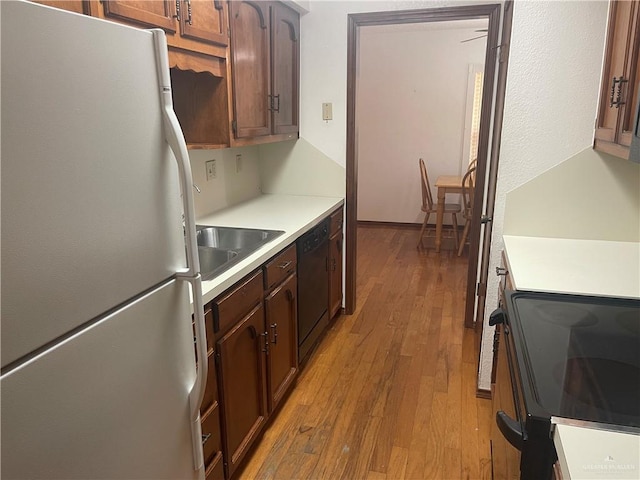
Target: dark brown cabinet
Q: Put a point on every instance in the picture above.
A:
(282, 357)
(281, 316)
(243, 385)
(196, 21)
(285, 53)
(210, 410)
(620, 80)
(148, 13)
(265, 69)
(335, 263)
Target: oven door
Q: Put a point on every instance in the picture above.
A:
(506, 429)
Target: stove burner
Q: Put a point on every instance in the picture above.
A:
(563, 314)
(600, 384)
(630, 321)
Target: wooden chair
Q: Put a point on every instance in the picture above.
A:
(428, 207)
(468, 184)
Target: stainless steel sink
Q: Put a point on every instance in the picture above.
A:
(233, 238)
(220, 248)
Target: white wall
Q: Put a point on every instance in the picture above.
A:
(412, 95)
(323, 68)
(554, 73)
(550, 108)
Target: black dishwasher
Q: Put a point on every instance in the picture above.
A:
(313, 287)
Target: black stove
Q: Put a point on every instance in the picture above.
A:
(581, 355)
(568, 356)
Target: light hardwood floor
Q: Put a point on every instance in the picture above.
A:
(390, 392)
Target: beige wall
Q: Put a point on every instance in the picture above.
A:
(230, 186)
(588, 196)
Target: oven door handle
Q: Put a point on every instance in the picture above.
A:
(497, 317)
(510, 429)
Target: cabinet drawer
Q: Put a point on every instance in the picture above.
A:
(208, 327)
(208, 323)
(280, 267)
(211, 390)
(211, 440)
(336, 221)
(232, 306)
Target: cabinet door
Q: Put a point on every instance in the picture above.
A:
(505, 458)
(151, 13)
(204, 20)
(242, 385)
(615, 120)
(335, 274)
(249, 22)
(281, 308)
(77, 6)
(285, 52)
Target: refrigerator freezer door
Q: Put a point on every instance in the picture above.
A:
(110, 402)
(91, 211)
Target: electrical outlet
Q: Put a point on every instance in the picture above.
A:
(238, 163)
(211, 169)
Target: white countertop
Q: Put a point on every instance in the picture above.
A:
(291, 213)
(581, 267)
(588, 453)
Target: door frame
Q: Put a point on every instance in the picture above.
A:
(491, 12)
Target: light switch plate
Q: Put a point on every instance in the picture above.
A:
(211, 169)
(327, 111)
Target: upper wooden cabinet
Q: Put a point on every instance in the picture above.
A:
(251, 57)
(620, 81)
(77, 6)
(191, 25)
(265, 50)
(285, 52)
(150, 13)
(205, 20)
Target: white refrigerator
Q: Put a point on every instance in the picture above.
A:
(99, 375)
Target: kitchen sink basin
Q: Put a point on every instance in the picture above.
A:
(233, 238)
(219, 248)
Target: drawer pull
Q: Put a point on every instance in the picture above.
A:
(205, 437)
(284, 265)
(274, 328)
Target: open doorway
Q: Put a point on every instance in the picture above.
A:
(489, 13)
(419, 93)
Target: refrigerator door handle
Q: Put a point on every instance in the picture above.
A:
(191, 274)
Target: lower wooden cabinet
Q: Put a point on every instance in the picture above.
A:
(335, 263)
(242, 374)
(255, 324)
(282, 356)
